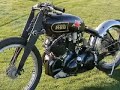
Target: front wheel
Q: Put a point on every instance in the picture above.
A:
(32, 69)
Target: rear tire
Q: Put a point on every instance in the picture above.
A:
(106, 64)
(33, 64)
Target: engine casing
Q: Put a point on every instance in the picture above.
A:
(71, 65)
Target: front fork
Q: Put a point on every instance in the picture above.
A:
(24, 35)
(30, 38)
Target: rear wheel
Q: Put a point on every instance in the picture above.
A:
(32, 69)
(109, 49)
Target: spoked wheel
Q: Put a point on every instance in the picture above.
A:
(32, 69)
(109, 49)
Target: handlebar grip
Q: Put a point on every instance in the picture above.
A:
(59, 9)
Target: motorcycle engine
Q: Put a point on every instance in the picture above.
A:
(63, 61)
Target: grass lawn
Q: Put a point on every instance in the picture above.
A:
(13, 16)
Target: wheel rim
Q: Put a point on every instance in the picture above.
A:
(26, 80)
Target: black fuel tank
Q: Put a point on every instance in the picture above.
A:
(63, 23)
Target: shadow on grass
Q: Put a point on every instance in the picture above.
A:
(109, 87)
(116, 75)
(33, 0)
(113, 86)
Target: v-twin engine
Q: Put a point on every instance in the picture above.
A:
(63, 61)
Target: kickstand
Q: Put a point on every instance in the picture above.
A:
(113, 68)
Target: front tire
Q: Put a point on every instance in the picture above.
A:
(29, 78)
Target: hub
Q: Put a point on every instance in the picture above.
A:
(11, 72)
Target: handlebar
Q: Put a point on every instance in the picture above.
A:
(51, 7)
(59, 9)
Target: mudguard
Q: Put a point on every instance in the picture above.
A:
(103, 27)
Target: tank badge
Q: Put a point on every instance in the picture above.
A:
(77, 24)
(60, 27)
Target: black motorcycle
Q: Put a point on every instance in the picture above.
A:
(67, 52)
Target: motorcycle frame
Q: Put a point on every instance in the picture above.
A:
(31, 34)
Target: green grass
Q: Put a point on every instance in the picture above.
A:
(13, 16)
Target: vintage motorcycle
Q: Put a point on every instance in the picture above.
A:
(67, 52)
